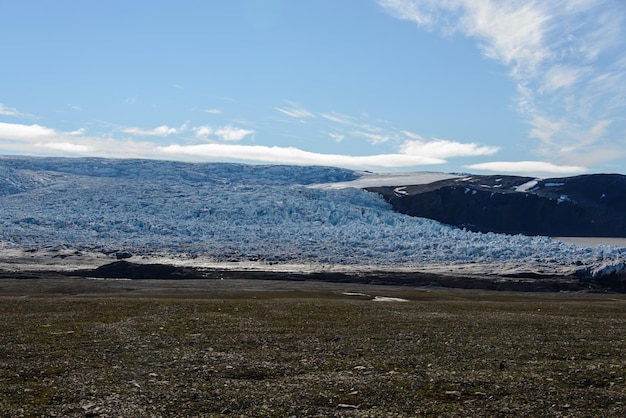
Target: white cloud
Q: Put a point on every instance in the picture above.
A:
(229, 133)
(531, 168)
(203, 131)
(294, 110)
(441, 148)
(213, 111)
(29, 139)
(162, 130)
(372, 137)
(14, 131)
(290, 155)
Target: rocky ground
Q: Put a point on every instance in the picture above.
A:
(232, 347)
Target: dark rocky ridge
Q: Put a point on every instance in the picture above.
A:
(124, 269)
(588, 205)
(529, 282)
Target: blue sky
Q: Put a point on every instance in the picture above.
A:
(482, 86)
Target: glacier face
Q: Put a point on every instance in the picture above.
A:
(240, 212)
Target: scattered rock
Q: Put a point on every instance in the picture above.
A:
(454, 393)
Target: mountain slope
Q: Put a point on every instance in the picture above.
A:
(588, 205)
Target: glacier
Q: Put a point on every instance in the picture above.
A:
(268, 215)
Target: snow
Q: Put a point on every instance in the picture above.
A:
(368, 179)
(400, 191)
(252, 216)
(526, 186)
(388, 299)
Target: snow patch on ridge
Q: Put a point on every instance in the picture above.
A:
(367, 179)
(526, 186)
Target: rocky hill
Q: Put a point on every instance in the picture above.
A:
(587, 205)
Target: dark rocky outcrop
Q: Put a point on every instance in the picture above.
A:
(587, 205)
(127, 270)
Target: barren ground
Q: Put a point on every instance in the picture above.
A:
(143, 348)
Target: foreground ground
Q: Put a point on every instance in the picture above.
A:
(79, 347)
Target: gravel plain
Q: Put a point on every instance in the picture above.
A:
(272, 348)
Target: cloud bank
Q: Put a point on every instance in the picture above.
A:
(291, 155)
(414, 151)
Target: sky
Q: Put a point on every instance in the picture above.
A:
(476, 86)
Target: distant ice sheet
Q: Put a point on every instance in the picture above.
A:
(388, 179)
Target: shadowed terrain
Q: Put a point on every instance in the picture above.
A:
(588, 205)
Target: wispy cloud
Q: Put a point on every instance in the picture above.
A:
(213, 111)
(570, 69)
(374, 138)
(563, 76)
(530, 168)
(337, 137)
(406, 142)
(338, 118)
(9, 111)
(361, 127)
(294, 110)
(162, 130)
